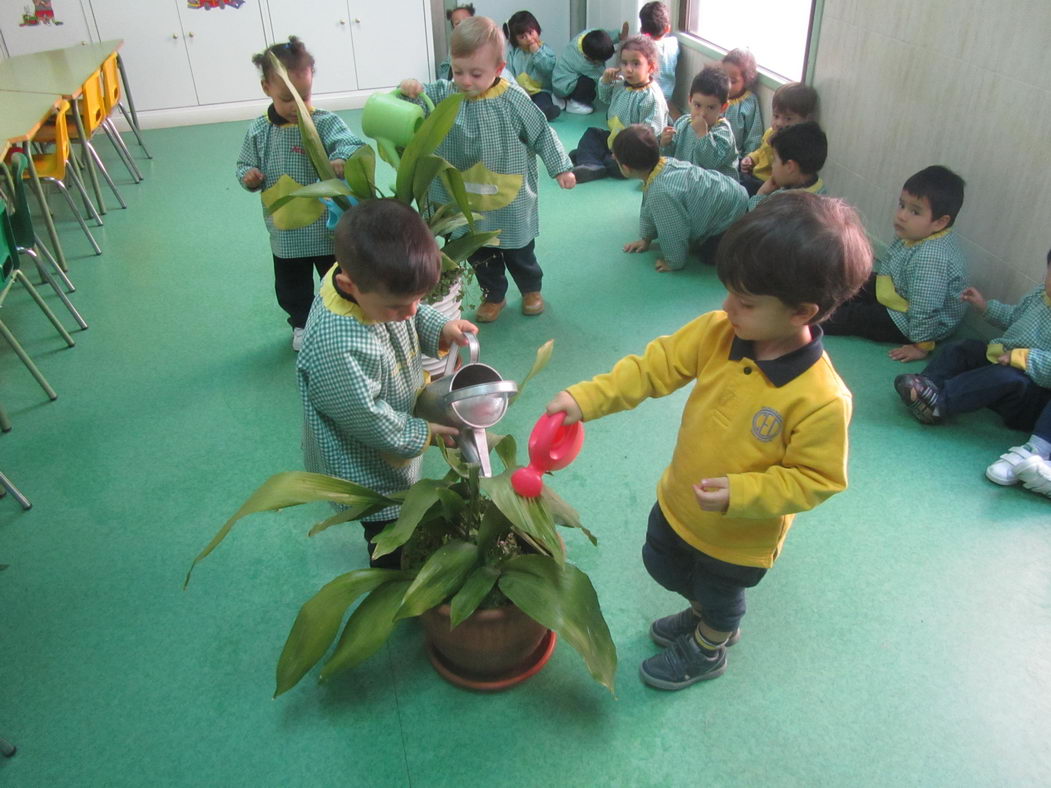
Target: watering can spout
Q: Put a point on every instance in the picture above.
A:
(392, 121)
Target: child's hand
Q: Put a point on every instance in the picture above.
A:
(445, 434)
(640, 245)
(908, 353)
(453, 332)
(972, 296)
(411, 88)
(564, 403)
(713, 495)
(253, 178)
(623, 31)
(700, 126)
(610, 74)
(747, 165)
(769, 186)
(337, 167)
(667, 136)
(566, 180)
(1004, 359)
(533, 46)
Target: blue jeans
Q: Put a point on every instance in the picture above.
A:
(969, 381)
(593, 148)
(490, 264)
(546, 105)
(717, 586)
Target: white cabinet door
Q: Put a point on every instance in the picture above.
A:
(27, 29)
(154, 51)
(390, 41)
(220, 42)
(326, 33)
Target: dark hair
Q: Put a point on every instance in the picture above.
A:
(386, 244)
(712, 81)
(293, 56)
(942, 188)
(744, 60)
(804, 143)
(469, 8)
(799, 247)
(797, 98)
(644, 46)
(520, 23)
(597, 45)
(636, 147)
(654, 18)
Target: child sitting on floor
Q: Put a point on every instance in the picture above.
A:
(682, 205)
(799, 154)
(793, 103)
(744, 113)
(914, 297)
(704, 137)
(655, 22)
(531, 61)
(1010, 375)
(579, 67)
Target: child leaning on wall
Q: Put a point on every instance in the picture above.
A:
(531, 62)
(793, 103)
(744, 112)
(799, 154)
(764, 431)
(580, 66)
(655, 22)
(704, 137)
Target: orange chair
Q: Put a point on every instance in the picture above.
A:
(111, 98)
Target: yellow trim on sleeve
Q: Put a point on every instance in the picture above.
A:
(1020, 358)
(993, 351)
(529, 85)
(888, 296)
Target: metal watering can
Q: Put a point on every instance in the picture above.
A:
(471, 398)
(392, 121)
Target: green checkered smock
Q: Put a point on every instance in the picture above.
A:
(668, 47)
(358, 383)
(683, 205)
(572, 65)
(1028, 325)
(628, 105)
(930, 275)
(817, 187)
(716, 150)
(501, 132)
(277, 149)
(532, 70)
(746, 119)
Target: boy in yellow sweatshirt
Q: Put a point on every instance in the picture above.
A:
(764, 431)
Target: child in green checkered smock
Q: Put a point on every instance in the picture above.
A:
(455, 16)
(360, 371)
(744, 113)
(580, 66)
(530, 61)
(703, 136)
(272, 160)
(799, 154)
(494, 142)
(683, 206)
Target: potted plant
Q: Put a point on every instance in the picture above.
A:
(471, 546)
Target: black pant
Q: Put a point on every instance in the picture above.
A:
(490, 263)
(546, 105)
(389, 561)
(584, 92)
(593, 149)
(294, 284)
(864, 316)
(751, 184)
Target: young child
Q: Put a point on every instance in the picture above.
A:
(682, 205)
(455, 17)
(744, 113)
(633, 97)
(531, 61)
(359, 371)
(764, 431)
(273, 148)
(914, 298)
(793, 103)
(704, 137)
(655, 22)
(799, 154)
(1010, 375)
(494, 143)
(579, 67)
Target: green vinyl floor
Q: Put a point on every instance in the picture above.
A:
(903, 637)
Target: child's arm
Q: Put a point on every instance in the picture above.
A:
(538, 136)
(542, 62)
(339, 141)
(928, 293)
(249, 172)
(669, 222)
(712, 148)
(653, 112)
(752, 131)
(604, 90)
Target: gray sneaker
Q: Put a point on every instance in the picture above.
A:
(664, 631)
(1035, 475)
(682, 664)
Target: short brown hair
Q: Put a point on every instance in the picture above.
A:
(473, 34)
(636, 147)
(644, 46)
(797, 98)
(799, 247)
(386, 244)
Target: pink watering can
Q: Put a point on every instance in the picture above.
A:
(552, 446)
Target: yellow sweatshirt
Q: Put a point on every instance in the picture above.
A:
(777, 429)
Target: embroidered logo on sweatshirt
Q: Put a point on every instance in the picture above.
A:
(767, 424)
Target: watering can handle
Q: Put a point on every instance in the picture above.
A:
(454, 353)
(423, 94)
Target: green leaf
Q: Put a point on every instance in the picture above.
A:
(320, 189)
(466, 245)
(367, 628)
(528, 515)
(452, 504)
(419, 498)
(307, 131)
(453, 181)
(562, 598)
(507, 450)
(345, 516)
(318, 622)
(439, 578)
(543, 356)
(360, 173)
(427, 169)
(493, 526)
(479, 583)
(562, 512)
(292, 488)
(425, 141)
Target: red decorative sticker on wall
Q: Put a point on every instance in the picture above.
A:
(207, 5)
(41, 14)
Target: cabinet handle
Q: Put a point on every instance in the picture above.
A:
(174, 36)
(343, 21)
(190, 34)
(357, 21)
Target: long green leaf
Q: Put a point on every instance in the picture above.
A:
(453, 181)
(367, 628)
(479, 583)
(345, 516)
(419, 498)
(466, 245)
(320, 189)
(439, 578)
(427, 169)
(543, 356)
(311, 139)
(425, 141)
(562, 512)
(292, 488)
(507, 450)
(562, 598)
(528, 516)
(360, 173)
(318, 622)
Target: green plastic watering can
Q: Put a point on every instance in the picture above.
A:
(391, 120)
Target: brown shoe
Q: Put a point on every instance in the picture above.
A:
(489, 311)
(532, 303)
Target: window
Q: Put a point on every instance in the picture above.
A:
(777, 31)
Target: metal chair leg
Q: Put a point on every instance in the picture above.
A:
(6, 748)
(5, 422)
(69, 200)
(105, 174)
(122, 149)
(19, 274)
(70, 287)
(21, 353)
(49, 279)
(79, 183)
(135, 129)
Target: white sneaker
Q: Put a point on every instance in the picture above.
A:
(297, 338)
(1003, 470)
(576, 108)
(558, 101)
(1035, 474)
